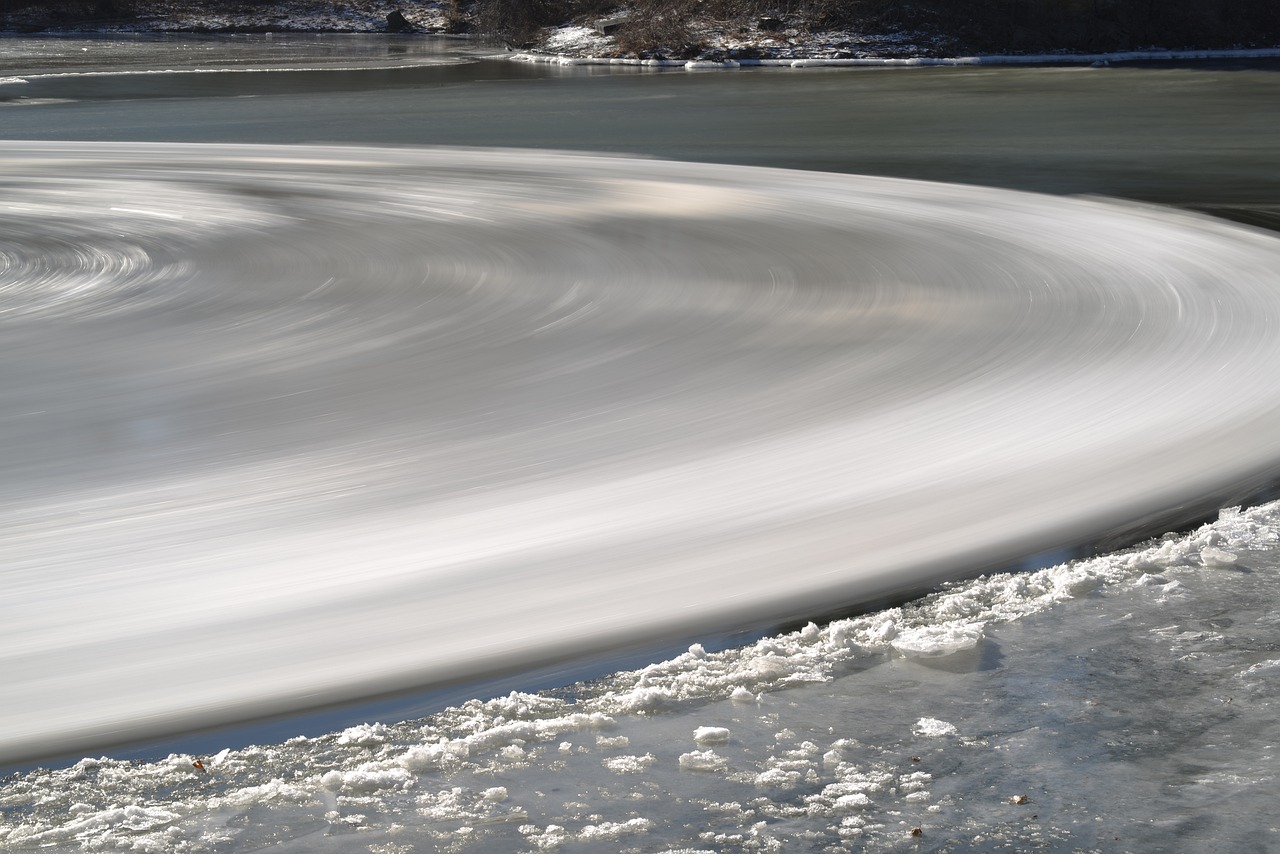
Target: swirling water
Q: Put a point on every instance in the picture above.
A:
(182, 372)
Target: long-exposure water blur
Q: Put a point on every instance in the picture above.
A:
(406, 449)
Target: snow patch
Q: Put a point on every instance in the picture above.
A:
(703, 760)
(711, 735)
(630, 764)
(937, 641)
(933, 728)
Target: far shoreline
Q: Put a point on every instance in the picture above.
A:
(734, 36)
(1187, 57)
(1040, 60)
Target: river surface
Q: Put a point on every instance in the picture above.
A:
(1125, 702)
(1173, 135)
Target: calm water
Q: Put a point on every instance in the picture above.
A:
(1175, 136)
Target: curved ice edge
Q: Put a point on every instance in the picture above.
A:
(249, 69)
(908, 62)
(576, 676)
(376, 763)
(951, 620)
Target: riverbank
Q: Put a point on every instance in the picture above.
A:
(724, 36)
(1091, 59)
(192, 16)
(591, 39)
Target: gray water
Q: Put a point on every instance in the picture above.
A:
(1177, 136)
(117, 54)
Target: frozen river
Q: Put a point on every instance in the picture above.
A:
(288, 426)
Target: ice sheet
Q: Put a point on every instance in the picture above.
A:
(285, 426)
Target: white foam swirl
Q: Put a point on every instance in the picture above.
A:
(291, 425)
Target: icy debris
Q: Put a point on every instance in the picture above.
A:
(513, 753)
(130, 818)
(854, 791)
(552, 837)
(914, 782)
(351, 820)
(703, 760)
(1216, 557)
(1150, 579)
(742, 695)
(452, 803)
(643, 699)
(427, 757)
(612, 742)
(630, 764)
(938, 641)
(881, 631)
(271, 792)
(365, 735)
(500, 736)
(1262, 667)
(913, 787)
(711, 735)
(857, 800)
(933, 728)
(368, 780)
(779, 778)
(790, 769)
(610, 830)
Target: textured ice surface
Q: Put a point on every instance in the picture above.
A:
(1126, 702)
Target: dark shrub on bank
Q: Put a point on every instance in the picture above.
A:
(1093, 25)
(669, 27)
(989, 26)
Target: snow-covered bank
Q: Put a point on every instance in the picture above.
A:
(723, 44)
(1094, 59)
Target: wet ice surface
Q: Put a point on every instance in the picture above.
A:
(1126, 702)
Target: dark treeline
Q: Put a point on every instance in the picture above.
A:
(965, 25)
(955, 25)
